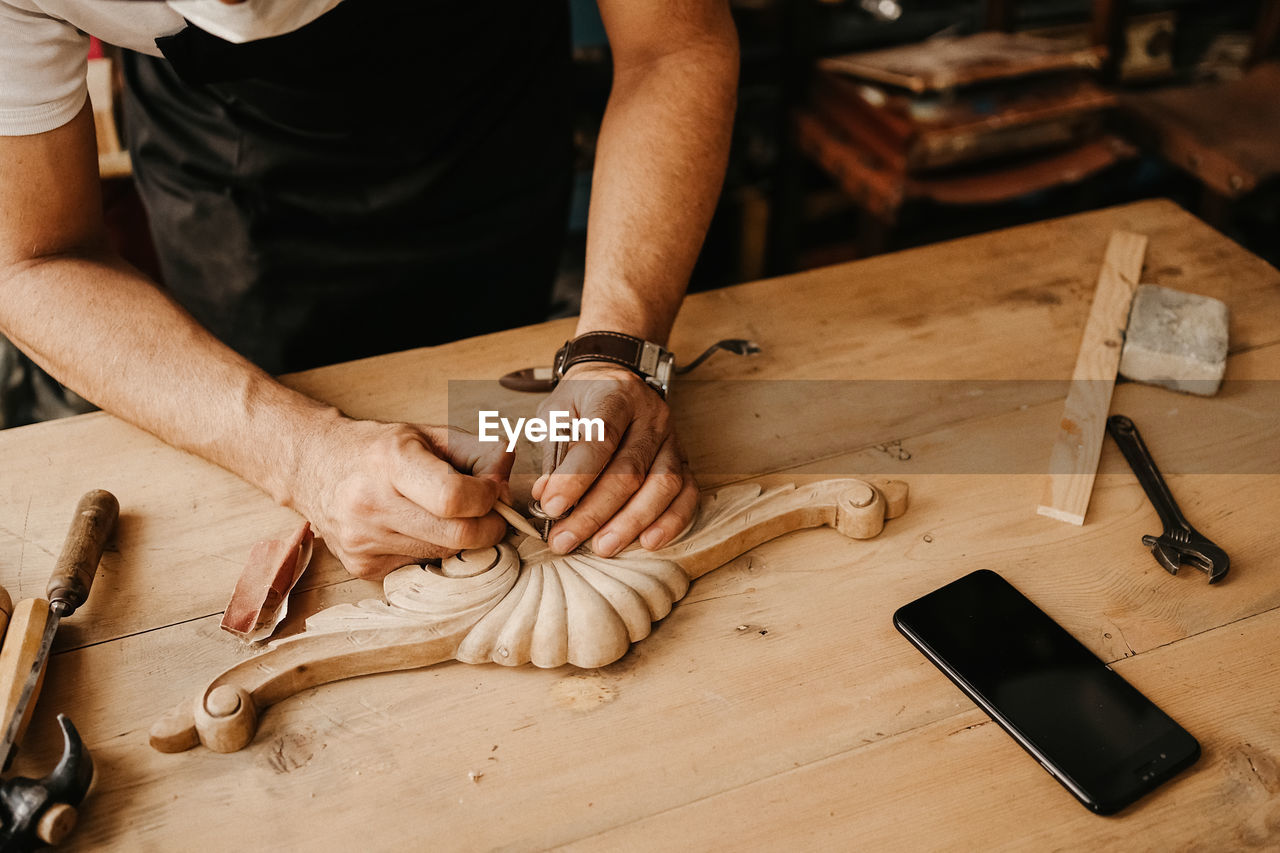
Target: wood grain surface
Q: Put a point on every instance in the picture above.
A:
(775, 707)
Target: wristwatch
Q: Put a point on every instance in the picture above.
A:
(651, 362)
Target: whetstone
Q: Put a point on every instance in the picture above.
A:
(1073, 465)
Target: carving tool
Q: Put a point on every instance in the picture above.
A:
(1180, 542)
(35, 620)
(515, 519)
(737, 346)
(6, 610)
(545, 522)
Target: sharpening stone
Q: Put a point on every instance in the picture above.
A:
(1176, 340)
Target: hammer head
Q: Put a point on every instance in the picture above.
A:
(42, 811)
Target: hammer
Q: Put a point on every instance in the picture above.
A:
(36, 811)
(43, 811)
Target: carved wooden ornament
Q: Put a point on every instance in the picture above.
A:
(517, 603)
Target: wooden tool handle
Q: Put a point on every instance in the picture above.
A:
(6, 610)
(22, 645)
(93, 524)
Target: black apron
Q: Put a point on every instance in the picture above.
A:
(394, 174)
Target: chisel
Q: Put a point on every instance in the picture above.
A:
(515, 519)
(35, 620)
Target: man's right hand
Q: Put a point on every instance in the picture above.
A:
(389, 495)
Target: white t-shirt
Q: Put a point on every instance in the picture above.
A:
(44, 44)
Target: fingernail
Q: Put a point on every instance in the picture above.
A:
(556, 506)
(651, 539)
(538, 485)
(607, 544)
(564, 542)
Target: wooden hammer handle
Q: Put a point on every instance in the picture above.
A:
(94, 522)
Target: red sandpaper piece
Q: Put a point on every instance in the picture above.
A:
(261, 596)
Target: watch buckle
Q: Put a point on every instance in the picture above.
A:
(656, 366)
(557, 368)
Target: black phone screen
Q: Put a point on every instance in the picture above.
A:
(1102, 739)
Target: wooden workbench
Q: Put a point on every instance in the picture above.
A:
(776, 707)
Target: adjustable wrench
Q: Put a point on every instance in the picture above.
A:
(1180, 542)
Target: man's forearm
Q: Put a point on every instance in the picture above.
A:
(382, 495)
(128, 348)
(660, 163)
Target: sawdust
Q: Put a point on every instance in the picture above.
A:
(584, 692)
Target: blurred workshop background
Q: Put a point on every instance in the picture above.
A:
(868, 126)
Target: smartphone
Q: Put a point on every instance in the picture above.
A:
(1095, 733)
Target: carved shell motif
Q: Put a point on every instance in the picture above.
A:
(547, 609)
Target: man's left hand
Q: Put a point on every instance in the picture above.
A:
(633, 484)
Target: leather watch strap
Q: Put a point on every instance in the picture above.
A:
(601, 346)
(646, 359)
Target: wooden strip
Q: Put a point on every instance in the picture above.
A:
(1074, 461)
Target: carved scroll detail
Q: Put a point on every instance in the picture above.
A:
(514, 605)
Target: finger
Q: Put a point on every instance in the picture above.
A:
(456, 446)
(377, 568)
(582, 466)
(412, 531)
(372, 556)
(437, 487)
(663, 485)
(374, 552)
(676, 518)
(551, 458)
(570, 468)
(622, 477)
(466, 453)
(496, 468)
(370, 568)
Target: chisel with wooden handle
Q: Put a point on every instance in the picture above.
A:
(35, 620)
